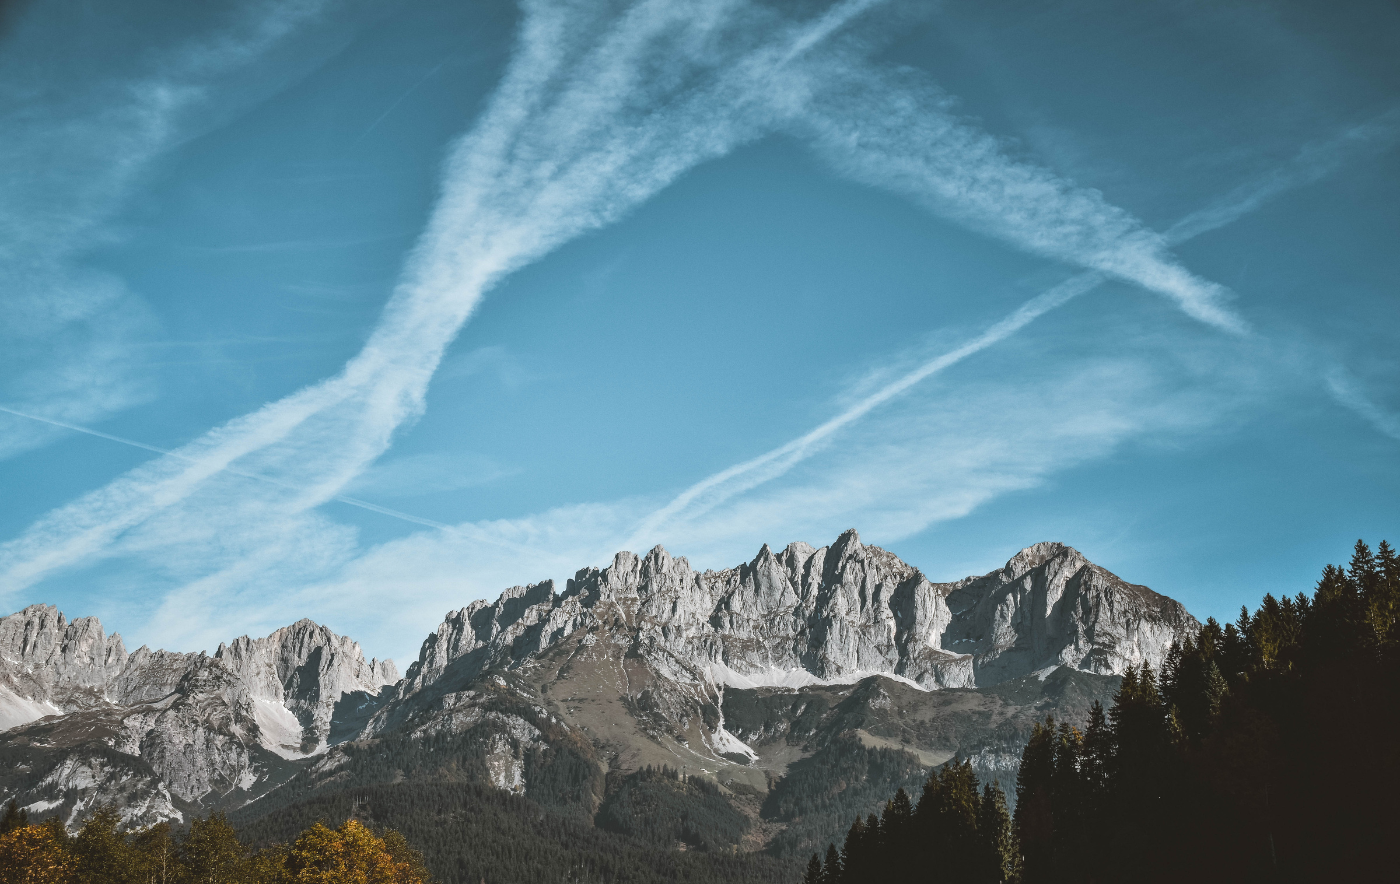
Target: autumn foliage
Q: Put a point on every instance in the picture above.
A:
(209, 852)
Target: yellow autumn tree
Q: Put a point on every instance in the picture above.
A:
(351, 854)
(34, 855)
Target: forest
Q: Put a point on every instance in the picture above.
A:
(1265, 750)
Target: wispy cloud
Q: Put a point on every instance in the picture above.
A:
(1346, 390)
(593, 116)
(1312, 163)
(433, 473)
(85, 138)
(896, 131)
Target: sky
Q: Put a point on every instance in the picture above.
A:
(360, 311)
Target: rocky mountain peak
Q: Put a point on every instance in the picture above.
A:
(1036, 555)
(305, 669)
(830, 614)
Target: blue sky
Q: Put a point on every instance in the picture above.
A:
(412, 303)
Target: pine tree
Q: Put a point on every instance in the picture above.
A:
(1383, 596)
(832, 871)
(814, 871)
(896, 825)
(1098, 757)
(998, 856)
(102, 852)
(853, 852)
(14, 817)
(1034, 820)
(1363, 571)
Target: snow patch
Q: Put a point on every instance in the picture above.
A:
(774, 677)
(1043, 674)
(278, 729)
(43, 806)
(16, 710)
(725, 743)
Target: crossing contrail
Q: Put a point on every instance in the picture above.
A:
(363, 504)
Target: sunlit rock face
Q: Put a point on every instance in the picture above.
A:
(834, 614)
(306, 669)
(158, 733)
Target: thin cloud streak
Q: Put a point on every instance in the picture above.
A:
(1311, 164)
(895, 131)
(1346, 390)
(68, 327)
(231, 471)
(577, 134)
(711, 491)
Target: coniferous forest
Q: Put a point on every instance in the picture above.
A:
(1265, 750)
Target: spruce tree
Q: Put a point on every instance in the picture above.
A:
(853, 853)
(896, 825)
(14, 818)
(832, 869)
(998, 857)
(1034, 819)
(814, 871)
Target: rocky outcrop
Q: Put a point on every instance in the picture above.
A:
(305, 669)
(154, 731)
(50, 664)
(1050, 606)
(829, 615)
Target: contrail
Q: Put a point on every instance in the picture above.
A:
(780, 460)
(1312, 163)
(407, 92)
(576, 135)
(373, 507)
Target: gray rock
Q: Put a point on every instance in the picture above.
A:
(200, 730)
(830, 615)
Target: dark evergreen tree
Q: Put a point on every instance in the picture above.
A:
(14, 817)
(1035, 814)
(103, 854)
(814, 871)
(997, 859)
(832, 872)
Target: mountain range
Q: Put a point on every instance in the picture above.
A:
(791, 691)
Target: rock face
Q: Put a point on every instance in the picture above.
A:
(49, 665)
(303, 669)
(159, 733)
(830, 615)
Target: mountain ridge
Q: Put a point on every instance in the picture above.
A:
(639, 663)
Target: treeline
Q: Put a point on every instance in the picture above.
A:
(1266, 750)
(841, 780)
(473, 832)
(208, 852)
(664, 808)
(957, 833)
